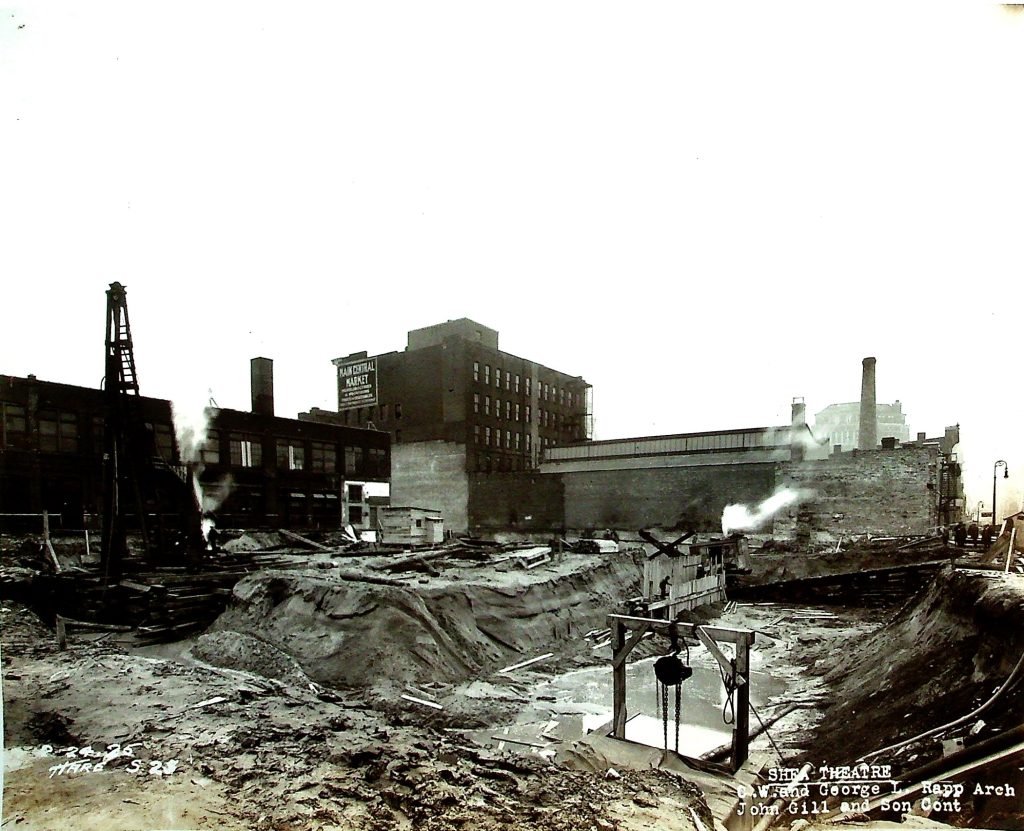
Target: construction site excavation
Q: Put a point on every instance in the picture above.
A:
(445, 605)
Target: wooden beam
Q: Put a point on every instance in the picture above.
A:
(719, 633)
(618, 679)
(635, 638)
(667, 548)
(719, 656)
(741, 735)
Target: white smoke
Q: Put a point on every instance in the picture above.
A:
(192, 427)
(741, 518)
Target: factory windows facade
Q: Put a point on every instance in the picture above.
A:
(245, 450)
(58, 432)
(290, 455)
(323, 457)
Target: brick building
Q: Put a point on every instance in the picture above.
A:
(458, 410)
(282, 472)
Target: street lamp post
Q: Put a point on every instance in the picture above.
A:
(1006, 475)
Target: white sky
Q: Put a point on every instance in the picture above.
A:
(704, 211)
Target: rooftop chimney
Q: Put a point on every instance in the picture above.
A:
(868, 436)
(261, 376)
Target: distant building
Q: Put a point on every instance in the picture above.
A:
(840, 423)
(457, 408)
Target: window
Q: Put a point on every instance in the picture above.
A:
(497, 377)
(508, 380)
(398, 412)
(355, 514)
(518, 437)
(487, 374)
(528, 386)
(323, 457)
(398, 436)
(545, 392)
(497, 408)
(476, 370)
(476, 402)
(476, 434)
(58, 431)
(517, 412)
(529, 442)
(487, 405)
(377, 461)
(561, 396)
(517, 384)
(385, 412)
(246, 451)
(291, 455)
(487, 435)
(508, 439)
(355, 493)
(13, 425)
(527, 413)
(508, 410)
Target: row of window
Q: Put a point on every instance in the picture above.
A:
(486, 463)
(247, 451)
(512, 412)
(547, 392)
(513, 441)
(58, 431)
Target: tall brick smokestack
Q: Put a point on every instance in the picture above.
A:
(868, 435)
(798, 424)
(261, 378)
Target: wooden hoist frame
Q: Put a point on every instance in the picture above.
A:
(628, 631)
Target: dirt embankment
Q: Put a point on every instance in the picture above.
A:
(346, 633)
(941, 656)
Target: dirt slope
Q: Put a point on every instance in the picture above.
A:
(345, 633)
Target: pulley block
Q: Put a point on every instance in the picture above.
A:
(670, 671)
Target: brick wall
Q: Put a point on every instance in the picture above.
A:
(518, 502)
(432, 474)
(670, 497)
(873, 491)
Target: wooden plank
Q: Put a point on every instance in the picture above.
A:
(298, 538)
(522, 664)
(618, 680)
(415, 700)
(719, 656)
(519, 741)
(53, 555)
(719, 633)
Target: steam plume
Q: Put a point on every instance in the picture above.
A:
(741, 518)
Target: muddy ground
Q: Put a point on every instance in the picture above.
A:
(272, 721)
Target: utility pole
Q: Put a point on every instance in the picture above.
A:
(1006, 475)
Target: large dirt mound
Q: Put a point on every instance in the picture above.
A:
(350, 633)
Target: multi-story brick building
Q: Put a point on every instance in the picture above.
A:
(452, 401)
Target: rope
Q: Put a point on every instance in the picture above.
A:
(764, 728)
(729, 707)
